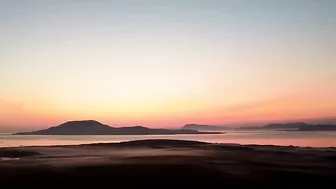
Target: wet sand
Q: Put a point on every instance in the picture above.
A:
(168, 164)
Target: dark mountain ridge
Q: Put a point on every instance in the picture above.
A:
(92, 127)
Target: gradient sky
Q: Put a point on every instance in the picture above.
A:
(166, 63)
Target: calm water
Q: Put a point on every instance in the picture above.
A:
(313, 139)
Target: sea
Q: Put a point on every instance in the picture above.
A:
(282, 138)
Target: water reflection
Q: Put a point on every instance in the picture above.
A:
(313, 139)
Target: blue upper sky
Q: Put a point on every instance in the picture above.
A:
(154, 58)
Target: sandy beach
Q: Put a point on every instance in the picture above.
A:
(169, 163)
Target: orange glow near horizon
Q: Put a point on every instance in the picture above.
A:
(303, 104)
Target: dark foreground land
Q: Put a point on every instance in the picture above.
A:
(167, 164)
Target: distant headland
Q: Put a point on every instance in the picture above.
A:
(92, 127)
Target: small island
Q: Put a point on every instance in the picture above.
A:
(199, 127)
(92, 127)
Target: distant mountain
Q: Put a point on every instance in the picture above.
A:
(203, 127)
(277, 126)
(91, 127)
(295, 126)
(321, 121)
(318, 128)
(74, 128)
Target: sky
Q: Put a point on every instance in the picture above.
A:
(161, 63)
